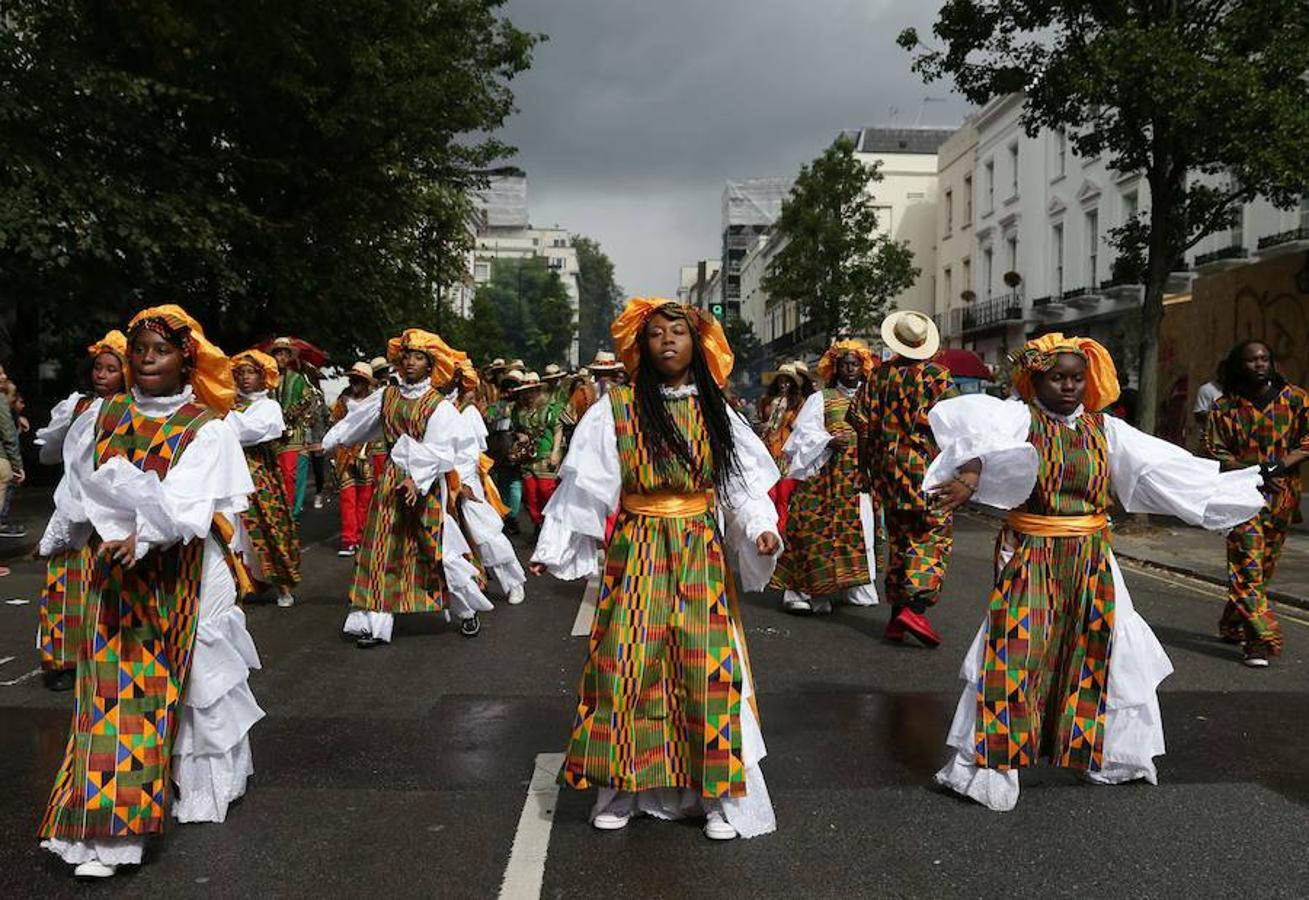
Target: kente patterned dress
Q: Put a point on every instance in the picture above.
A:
(267, 539)
(356, 476)
(665, 703)
(830, 541)
(412, 558)
(63, 599)
(896, 446)
(1063, 668)
(1241, 433)
(165, 657)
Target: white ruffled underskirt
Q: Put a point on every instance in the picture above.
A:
(751, 815)
(1134, 733)
(125, 851)
(366, 623)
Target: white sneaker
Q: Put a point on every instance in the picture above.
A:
(608, 821)
(94, 869)
(318, 501)
(860, 597)
(285, 600)
(796, 602)
(345, 551)
(517, 594)
(717, 828)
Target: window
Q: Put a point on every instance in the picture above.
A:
(949, 211)
(1057, 246)
(988, 270)
(1011, 247)
(988, 185)
(968, 275)
(1013, 168)
(1304, 210)
(1131, 205)
(948, 283)
(481, 271)
(1093, 248)
(968, 199)
(1060, 153)
(1238, 226)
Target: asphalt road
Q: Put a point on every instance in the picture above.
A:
(403, 771)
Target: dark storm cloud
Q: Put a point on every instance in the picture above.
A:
(635, 113)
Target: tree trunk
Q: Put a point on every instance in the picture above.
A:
(1158, 265)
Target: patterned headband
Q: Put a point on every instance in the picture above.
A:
(178, 335)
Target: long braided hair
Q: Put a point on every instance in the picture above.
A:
(665, 442)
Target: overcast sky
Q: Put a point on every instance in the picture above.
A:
(635, 112)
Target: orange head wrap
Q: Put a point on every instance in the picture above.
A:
(466, 372)
(444, 357)
(827, 365)
(114, 342)
(627, 329)
(1039, 355)
(211, 372)
(260, 360)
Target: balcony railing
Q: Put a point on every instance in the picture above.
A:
(1285, 237)
(997, 310)
(1236, 251)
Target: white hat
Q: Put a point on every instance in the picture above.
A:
(530, 380)
(604, 361)
(553, 373)
(911, 334)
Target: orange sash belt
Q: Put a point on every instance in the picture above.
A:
(668, 506)
(1057, 526)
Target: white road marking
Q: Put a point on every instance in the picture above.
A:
(7, 659)
(17, 601)
(526, 870)
(586, 612)
(21, 678)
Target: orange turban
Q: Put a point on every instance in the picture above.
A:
(260, 360)
(211, 375)
(444, 357)
(114, 342)
(626, 331)
(827, 365)
(1039, 356)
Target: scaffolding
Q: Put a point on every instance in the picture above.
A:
(504, 202)
(754, 201)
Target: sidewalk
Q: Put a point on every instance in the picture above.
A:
(1201, 554)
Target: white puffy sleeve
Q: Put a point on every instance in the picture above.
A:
(261, 422)
(210, 477)
(68, 527)
(1151, 475)
(362, 423)
(806, 448)
(590, 482)
(977, 426)
(50, 439)
(472, 444)
(748, 511)
(444, 441)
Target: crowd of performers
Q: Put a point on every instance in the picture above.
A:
(185, 475)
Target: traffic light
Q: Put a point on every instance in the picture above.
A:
(717, 310)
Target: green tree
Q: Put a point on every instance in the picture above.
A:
(523, 311)
(836, 263)
(294, 166)
(599, 297)
(750, 357)
(1207, 99)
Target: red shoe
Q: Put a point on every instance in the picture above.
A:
(894, 630)
(917, 625)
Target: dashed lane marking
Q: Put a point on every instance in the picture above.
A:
(526, 870)
(21, 678)
(586, 612)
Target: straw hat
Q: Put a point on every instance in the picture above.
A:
(378, 364)
(497, 363)
(512, 375)
(553, 373)
(283, 343)
(518, 365)
(605, 361)
(362, 370)
(528, 382)
(911, 334)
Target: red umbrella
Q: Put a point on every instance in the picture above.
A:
(963, 363)
(314, 355)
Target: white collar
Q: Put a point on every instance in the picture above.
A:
(678, 393)
(415, 390)
(845, 391)
(161, 407)
(1070, 420)
(255, 395)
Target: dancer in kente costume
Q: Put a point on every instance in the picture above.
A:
(895, 445)
(296, 396)
(831, 529)
(484, 518)
(666, 721)
(352, 464)
(267, 539)
(414, 558)
(64, 596)
(791, 387)
(1260, 420)
(538, 419)
(1063, 668)
(163, 665)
